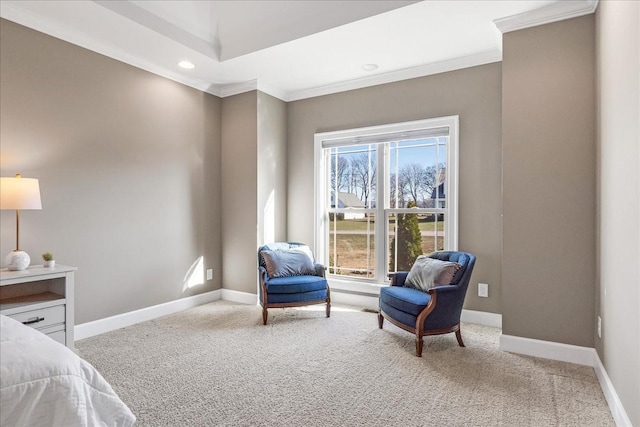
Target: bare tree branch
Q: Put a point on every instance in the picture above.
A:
(363, 172)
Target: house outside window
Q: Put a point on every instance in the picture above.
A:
(396, 192)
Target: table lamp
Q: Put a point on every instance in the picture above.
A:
(19, 193)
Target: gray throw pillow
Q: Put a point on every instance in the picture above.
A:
(288, 263)
(427, 273)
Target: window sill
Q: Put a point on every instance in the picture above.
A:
(355, 286)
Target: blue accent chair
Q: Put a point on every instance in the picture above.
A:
(291, 291)
(428, 313)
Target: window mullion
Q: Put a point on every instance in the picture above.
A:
(381, 200)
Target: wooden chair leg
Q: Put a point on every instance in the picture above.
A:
(380, 320)
(264, 315)
(459, 337)
(419, 346)
(328, 309)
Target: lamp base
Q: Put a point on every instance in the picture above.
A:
(17, 260)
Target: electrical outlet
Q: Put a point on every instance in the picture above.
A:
(483, 290)
(599, 327)
(209, 273)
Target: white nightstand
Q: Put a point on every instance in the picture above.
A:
(41, 298)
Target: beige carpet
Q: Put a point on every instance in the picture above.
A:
(216, 365)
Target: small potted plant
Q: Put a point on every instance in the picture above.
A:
(49, 262)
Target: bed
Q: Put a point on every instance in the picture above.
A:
(44, 383)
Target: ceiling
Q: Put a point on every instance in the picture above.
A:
(291, 49)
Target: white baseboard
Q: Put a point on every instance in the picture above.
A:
(370, 302)
(615, 405)
(482, 318)
(96, 327)
(547, 349)
(241, 297)
(574, 354)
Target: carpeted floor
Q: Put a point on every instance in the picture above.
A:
(216, 365)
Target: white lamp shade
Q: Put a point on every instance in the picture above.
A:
(19, 193)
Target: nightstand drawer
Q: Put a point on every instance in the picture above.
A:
(58, 336)
(41, 318)
(55, 332)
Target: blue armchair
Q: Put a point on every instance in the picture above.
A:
(434, 312)
(289, 277)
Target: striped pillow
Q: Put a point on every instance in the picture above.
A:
(427, 273)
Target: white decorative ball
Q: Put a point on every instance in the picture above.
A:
(17, 260)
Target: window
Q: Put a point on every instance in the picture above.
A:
(384, 195)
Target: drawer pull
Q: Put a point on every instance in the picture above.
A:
(33, 320)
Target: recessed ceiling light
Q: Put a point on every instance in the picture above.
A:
(186, 64)
(370, 67)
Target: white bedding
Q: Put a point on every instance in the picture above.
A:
(43, 383)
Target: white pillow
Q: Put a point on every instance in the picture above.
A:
(427, 273)
(288, 263)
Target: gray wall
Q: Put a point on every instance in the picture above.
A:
(128, 164)
(272, 169)
(253, 183)
(475, 95)
(549, 182)
(618, 292)
(239, 191)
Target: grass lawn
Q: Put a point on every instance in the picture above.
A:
(351, 253)
(361, 224)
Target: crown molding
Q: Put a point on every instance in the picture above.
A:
(558, 11)
(230, 89)
(272, 90)
(395, 76)
(148, 20)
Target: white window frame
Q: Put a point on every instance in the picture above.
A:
(321, 140)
